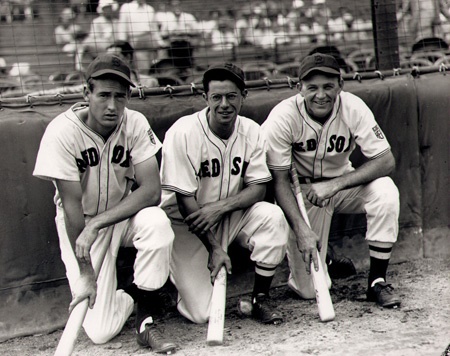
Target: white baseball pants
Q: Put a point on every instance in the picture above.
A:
(379, 200)
(149, 231)
(261, 228)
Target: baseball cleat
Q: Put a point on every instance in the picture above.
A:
(151, 337)
(383, 294)
(264, 312)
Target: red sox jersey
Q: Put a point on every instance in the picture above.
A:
(321, 151)
(72, 151)
(196, 162)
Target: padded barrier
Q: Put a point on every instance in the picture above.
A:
(413, 111)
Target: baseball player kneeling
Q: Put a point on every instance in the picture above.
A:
(317, 130)
(214, 164)
(92, 152)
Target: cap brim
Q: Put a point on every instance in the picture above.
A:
(113, 72)
(321, 69)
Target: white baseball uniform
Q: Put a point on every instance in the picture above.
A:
(196, 162)
(72, 151)
(322, 152)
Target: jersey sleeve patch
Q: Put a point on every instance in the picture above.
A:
(151, 136)
(378, 133)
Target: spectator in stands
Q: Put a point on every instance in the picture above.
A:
(162, 14)
(68, 34)
(5, 11)
(209, 25)
(263, 34)
(343, 28)
(179, 23)
(124, 50)
(300, 25)
(104, 31)
(425, 20)
(245, 24)
(78, 7)
(180, 33)
(137, 25)
(320, 14)
(3, 68)
(22, 9)
(223, 37)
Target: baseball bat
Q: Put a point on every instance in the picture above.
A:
(73, 326)
(74, 323)
(323, 299)
(218, 300)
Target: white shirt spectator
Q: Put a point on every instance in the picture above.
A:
(138, 24)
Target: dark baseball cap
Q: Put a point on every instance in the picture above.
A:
(223, 72)
(319, 62)
(109, 64)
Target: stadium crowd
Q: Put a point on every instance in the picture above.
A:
(165, 36)
(149, 30)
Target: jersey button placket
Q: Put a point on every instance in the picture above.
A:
(225, 173)
(103, 198)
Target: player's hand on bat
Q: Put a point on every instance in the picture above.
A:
(85, 287)
(308, 245)
(201, 221)
(84, 243)
(218, 258)
(319, 194)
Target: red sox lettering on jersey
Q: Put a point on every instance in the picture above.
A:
(322, 150)
(207, 167)
(102, 167)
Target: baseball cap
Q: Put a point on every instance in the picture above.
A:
(109, 64)
(225, 71)
(320, 62)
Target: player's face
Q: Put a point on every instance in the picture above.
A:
(107, 103)
(320, 92)
(224, 100)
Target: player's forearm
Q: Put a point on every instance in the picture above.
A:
(75, 224)
(244, 199)
(285, 198)
(139, 199)
(367, 172)
(188, 205)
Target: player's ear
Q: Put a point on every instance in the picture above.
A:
(341, 82)
(244, 93)
(205, 96)
(299, 86)
(86, 93)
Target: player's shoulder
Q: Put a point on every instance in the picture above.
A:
(286, 106)
(248, 122)
(134, 115)
(64, 121)
(351, 100)
(188, 125)
(284, 112)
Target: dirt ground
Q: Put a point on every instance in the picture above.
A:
(421, 326)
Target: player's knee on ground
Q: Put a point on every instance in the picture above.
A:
(99, 335)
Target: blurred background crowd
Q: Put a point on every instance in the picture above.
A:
(170, 42)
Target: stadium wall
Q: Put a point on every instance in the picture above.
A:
(413, 111)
